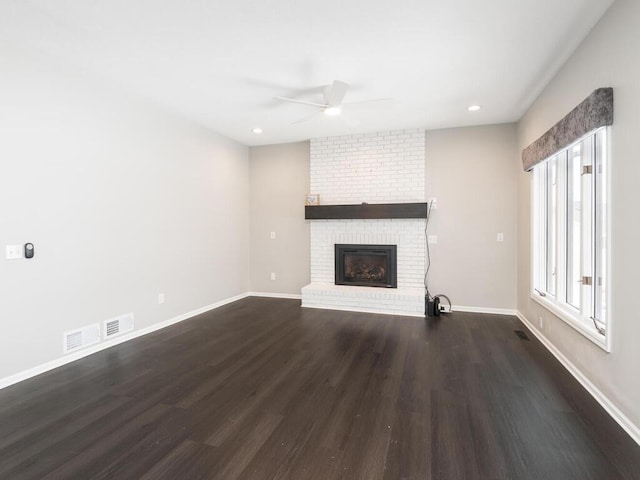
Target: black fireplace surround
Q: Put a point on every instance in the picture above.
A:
(366, 265)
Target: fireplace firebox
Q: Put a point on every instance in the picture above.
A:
(366, 265)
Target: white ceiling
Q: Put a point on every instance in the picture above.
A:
(220, 63)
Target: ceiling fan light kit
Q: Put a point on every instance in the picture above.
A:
(332, 111)
(333, 96)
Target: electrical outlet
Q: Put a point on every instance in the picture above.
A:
(14, 252)
(160, 298)
(273, 275)
(444, 308)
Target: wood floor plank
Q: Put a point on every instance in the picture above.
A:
(409, 453)
(38, 437)
(241, 452)
(262, 389)
(188, 460)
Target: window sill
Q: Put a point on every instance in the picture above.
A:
(574, 321)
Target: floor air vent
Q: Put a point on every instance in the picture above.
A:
(521, 335)
(80, 338)
(118, 325)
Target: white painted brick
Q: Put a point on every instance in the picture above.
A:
(375, 167)
(379, 167)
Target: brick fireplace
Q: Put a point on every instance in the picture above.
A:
(383, 167)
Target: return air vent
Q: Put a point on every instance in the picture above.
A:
(118, 325)
(80, 338)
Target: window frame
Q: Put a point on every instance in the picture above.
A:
(539, 239)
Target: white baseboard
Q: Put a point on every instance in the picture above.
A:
(291, 296)
(455, 308)
(606, 403)
(364, 310)
(58, 362)
(495, 311)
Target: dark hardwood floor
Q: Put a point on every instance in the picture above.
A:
(262, 389)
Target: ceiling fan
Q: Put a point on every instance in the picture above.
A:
(333, 96)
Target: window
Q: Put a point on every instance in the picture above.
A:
(570, 259)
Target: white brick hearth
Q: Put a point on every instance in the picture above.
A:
(399, 301)
(383, 167)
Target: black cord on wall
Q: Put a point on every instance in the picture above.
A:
(426, 241)
(426, 273)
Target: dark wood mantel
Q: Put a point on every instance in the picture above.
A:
(365, 210)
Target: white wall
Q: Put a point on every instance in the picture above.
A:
(279, 184)
(607, 58)
(122, 202)
(471, 173)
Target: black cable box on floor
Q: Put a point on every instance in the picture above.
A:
(432, 307)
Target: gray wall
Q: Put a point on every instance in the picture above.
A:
(607, 57)
(122, 202)
(279, 184)
(472, 174)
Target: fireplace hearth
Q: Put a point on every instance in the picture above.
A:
(366, 265)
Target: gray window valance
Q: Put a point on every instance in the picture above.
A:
(594, 112)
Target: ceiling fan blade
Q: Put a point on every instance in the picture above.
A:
(303, 102)
(364, 102)
(306, 119)
(334, 94)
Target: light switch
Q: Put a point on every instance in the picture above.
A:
(14, 252)
(500, 237)
(273, 276)
(273, 235)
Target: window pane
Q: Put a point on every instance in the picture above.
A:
(586, 289)
(579, 227)
(552, 224)
(574, 226)
(539, 215)
(601, 195)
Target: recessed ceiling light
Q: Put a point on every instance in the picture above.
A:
(333, 111)
(257, 130)
(474, 108)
